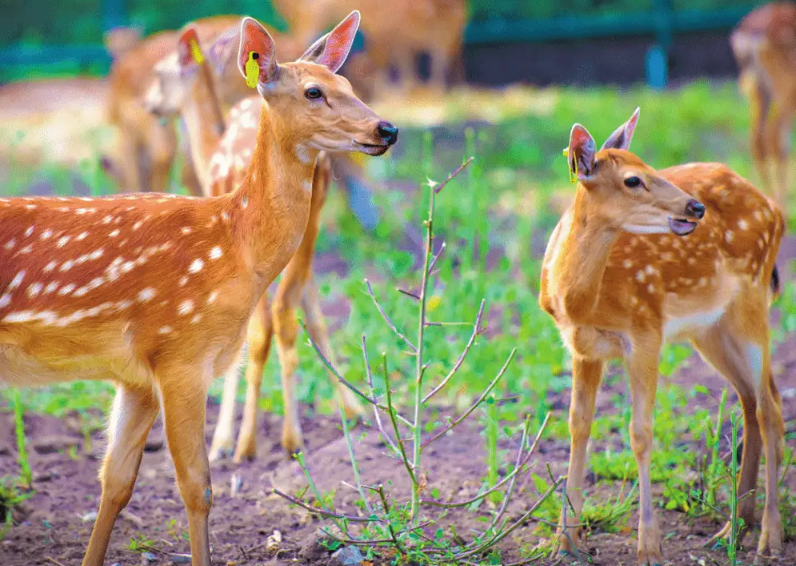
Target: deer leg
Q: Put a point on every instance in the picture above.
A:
(224, 433)
(134, 411)
(642, 367)
(721, 350)
(259, 338)
(184, 397)
(760, 110)
(586, 377)
(129, 152)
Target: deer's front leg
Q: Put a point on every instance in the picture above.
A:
(586, 377)
(642, 368)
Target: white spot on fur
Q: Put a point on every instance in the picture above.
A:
(183, 281)
(67, 265)
(50, 266)
(186, 307)
(244, 202)
(137, 225)
(82, 236)
(5, 300)
(743, 224)
(35, 290)
(146, 295)
(640, 277)
(196, 318)
(114, 233)
(63, 241)
(10, 244)
(46, 235)
(165, 330)
(29, 231)
(215, 253)
(186, 230)
(66, 289)
(17, 280)
(212, 298)
(196, 266)
(107, 220)
(96, 254)
(50, 288)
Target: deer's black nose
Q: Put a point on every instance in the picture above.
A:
(695, 209)
(388, 132)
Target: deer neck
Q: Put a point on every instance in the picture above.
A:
(204, 122)
(273, 201)
(583, 258)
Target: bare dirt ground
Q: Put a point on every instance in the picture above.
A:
(56, 522)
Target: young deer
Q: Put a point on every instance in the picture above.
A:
(644, 257)
(765, 50)
(155, 291)
(184, 85)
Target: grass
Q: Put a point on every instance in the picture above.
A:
(493, 222)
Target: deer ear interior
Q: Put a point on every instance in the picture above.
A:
(580, 155)
(189, 51)
(257, 48)
(332, 49)
(623, 135)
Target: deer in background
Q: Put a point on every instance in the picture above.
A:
(147, 147)
(184, 85)
(644, 257)
(396, 32)
(764, 45)
(155, 291)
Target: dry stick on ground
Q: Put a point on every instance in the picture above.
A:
(439, 552)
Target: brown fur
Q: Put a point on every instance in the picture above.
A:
(615, 294)
(155, 291)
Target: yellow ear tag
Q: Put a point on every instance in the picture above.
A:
(197, 54)
(252, 70)
(573, 176)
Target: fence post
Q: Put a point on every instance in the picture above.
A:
(114, 14)
(657, 59)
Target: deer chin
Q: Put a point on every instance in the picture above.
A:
(372, 149)
(681, 227)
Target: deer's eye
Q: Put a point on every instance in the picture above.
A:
(632, 182)
(313, 92)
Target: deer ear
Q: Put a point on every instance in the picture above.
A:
(224, 49)
(580, 155)
(333, 48)
(623, 135)
(188, 50)
(256, 54)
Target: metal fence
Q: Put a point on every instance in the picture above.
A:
(65, 36)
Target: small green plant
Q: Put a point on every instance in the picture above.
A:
(10, 496)
(140, 543)
(25, 474)
(411, 534)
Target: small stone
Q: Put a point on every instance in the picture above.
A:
(274, 542)
(348, 556)
(42, 477)
(148, 557)
(89, 517)
(181, 558)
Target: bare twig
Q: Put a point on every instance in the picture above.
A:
(408, 293)
(324, 512)
(455, 172)
(386, 508)
(503, 534)
(392, 413)
(435, 258)
(475, 405)
(387, 319)
(376, 415)
(511, 475)
(53, 560)
(510, 489)
(344, 381)
(459, 362)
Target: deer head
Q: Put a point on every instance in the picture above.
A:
(622, 191)
(319, 104)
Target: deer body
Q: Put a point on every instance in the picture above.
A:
(764, 45)
(155, 291)
(623, 274)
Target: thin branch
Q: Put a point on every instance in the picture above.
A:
(323, 512)
(500, 536)
(475, 405)
(510, 489)
(436, 257)
(344, 381)
(514, 473)
(376, 415)
(386, 507)
(392, 413)
(386, 318)
(455, 172)
(459, 362)
(408, 293)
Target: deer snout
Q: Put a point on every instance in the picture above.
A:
(695, 209)
(388, 132)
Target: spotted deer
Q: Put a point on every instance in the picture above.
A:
(155, 291)
(148, 144)
(396, 32)
(764, 46)
(644, 257)
(184, 86)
